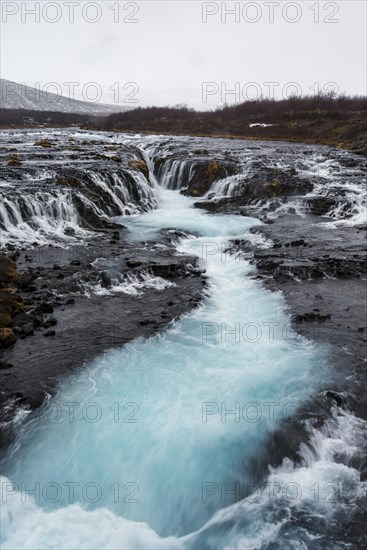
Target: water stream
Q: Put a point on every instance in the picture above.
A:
(155, 445)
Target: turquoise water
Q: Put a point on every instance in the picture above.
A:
(136, 447)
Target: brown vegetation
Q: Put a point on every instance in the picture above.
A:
(10, 300)
(339, 121)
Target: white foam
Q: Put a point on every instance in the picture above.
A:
(323, 487)
(27, 526)
(130, 283)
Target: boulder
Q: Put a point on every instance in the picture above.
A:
(204, 173)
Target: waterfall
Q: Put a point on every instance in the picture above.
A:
(166, 442)
(44, 211)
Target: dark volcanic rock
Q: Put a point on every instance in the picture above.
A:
(49, 333)
(273, 182)
(204, 173)
(321, 205)
(5, 366)
(323, 281)
(318, 254)
(265, 183)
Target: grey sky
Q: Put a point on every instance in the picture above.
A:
(170, 51)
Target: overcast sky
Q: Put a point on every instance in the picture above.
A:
(170, 50)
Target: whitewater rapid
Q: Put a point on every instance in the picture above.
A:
(156, 444)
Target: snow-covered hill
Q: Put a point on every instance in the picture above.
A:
(19, 96)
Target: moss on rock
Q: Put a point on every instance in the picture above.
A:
(8, 271)
(14, 160)
(43, 143)
(140, 165)
(7, 337)
(205, 173)
(11, 302)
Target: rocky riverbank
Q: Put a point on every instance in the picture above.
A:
(322, 274)
(77, 303)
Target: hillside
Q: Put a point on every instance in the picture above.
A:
(19, 96)
(340, 121)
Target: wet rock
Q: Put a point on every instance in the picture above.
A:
(321, 205)
(24, 330)
(43, 143)
(4, 365)
(337, 397)
(273, 182)
(14, 160)
(69, 181)
(105, 280)
(26, 282)
(348, 162)
(140, 165)
(204, 173)
(305, 263)
(311, 317)
(32, 317)
(45, 307)
(49, 333)
(69, 231)
(133, 263)
(20, 318)
(212, 206)
(50, 322)
(7, 337)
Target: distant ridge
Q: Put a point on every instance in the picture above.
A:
(19, 96)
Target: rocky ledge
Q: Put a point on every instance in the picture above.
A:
(322, 274)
